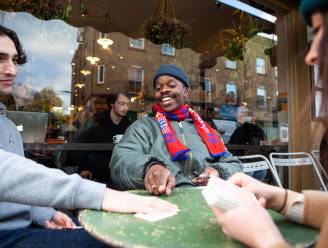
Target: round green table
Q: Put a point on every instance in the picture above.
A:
(194, 226)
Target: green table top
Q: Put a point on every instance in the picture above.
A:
(194, 226)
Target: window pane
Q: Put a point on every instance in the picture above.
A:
(260, 65)
(167, 49)
(231, 64)
(101, 74)
(137, 43)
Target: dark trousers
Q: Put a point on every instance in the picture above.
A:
(50, 238)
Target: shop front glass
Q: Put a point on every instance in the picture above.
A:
(71, 72)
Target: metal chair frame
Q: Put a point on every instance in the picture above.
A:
(306, 160)
(264, 164)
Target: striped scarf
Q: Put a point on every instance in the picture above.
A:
(177, 150)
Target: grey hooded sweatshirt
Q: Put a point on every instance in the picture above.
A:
(21, 178)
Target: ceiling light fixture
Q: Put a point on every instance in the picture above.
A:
(103, 40)
(85, 72)
(93, 60)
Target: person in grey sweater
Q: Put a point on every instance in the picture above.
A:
(25, 185)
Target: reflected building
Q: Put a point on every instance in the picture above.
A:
(128, 65)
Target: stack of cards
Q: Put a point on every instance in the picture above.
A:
(222, 194)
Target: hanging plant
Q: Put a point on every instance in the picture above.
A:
(163, 27)
(43, 9)
(232, 41)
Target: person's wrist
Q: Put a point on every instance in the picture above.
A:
(269, 241)
(269, 237)
(277, 198)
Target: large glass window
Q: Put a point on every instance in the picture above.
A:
(70, 76)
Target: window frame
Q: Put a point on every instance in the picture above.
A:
(134, 46)
(263, 88)
(135, 81)
(234, 91)
(231, 64)
(260, 69)
(103, 74)
(167, 45)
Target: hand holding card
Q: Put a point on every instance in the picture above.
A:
(222, 194)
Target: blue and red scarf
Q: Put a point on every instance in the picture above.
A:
(177, 150)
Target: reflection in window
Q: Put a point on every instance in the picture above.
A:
(260, 66)
(208, 87)
(276, 72)
(230, 64)
(80, 35)
(137, 43)
(101, 74)
(167, 49)
(318, 92)
(136, 74)
(261, 96)
(231, 93)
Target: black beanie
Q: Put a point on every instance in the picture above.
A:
(173, 71)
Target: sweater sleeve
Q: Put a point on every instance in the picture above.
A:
(41, 214)
(228, 165)
(26, 182)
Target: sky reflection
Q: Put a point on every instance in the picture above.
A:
(50, 46)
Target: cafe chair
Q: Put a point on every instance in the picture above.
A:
(254, 163)
(316, 156)
(295, 159)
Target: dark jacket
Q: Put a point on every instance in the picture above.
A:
(97, 161)
(247, 134)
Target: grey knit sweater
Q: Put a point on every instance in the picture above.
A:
(24, 181)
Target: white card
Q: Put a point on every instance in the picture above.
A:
(222, 194)
(155, 217)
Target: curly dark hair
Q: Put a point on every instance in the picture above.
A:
(22, 59)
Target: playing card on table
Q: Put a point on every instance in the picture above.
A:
(155, 217)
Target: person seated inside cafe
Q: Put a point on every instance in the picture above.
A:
(171, 147)
(248, 133)
(109, 127)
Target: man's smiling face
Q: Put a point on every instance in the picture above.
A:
(170, 93)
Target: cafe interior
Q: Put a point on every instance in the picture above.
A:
(244, 60)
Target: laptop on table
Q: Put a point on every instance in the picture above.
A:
(31, 125)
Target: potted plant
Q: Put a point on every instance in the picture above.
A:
(43, 9)
(164, 27)
(232, 41)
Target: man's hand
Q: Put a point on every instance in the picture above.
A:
(86, 174)
(203, 178)
(158, 180)
(59, 221)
